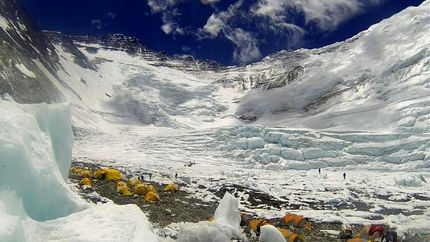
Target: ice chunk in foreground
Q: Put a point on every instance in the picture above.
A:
(201, 232)
(225, 225)
(36, 203)
(271, 234)
(35, 155)
(227, 212)
(106, 222)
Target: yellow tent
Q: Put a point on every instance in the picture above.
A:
(75, 170)
(99, 174)
(152, 196)
(108, 174)
(86, 182)
(86, 173)
(125, 191)
(120, 184)
(134, 181)
(122, 188)
(142, 189)
(112, 175)
(171, 188)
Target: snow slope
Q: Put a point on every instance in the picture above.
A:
(377, 80)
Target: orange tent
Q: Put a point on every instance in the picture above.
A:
(357, 240)
(255, 225)
(294, 220)
(290, 236)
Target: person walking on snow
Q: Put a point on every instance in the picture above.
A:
(344, 175)
(319, 171)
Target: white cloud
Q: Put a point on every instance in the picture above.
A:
(326, 14)
(172, 28)
(209, 1)
(158, 6)
(167, 28)
(97, 23)
(218, 21)
(214, 25)
(246, 25)
(111, 14)
(185, 48)
(246, 48)
(245, 44)
(170, 25)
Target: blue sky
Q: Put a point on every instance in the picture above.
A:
(227, 31)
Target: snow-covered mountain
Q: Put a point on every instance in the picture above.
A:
(377, 80)
(27, 59)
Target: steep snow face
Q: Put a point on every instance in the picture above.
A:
(27, 59)
(130, 89)
(377, 80)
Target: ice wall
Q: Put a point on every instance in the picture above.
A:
(35, 199)
(35, 154)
